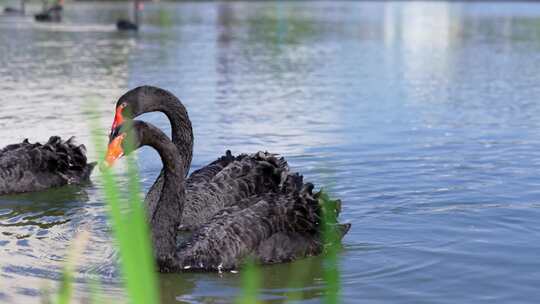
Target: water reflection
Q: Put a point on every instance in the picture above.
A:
(421, 117)
(44, 210)
(175, 288)
(298, 281)
(62, 68)
(260, 106)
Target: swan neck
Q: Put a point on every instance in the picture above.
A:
(182, 132)
(167, 215)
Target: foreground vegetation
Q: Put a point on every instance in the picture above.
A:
(132, 238)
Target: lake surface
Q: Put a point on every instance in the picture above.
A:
(424, 118)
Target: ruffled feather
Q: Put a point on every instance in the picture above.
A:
(27, 167)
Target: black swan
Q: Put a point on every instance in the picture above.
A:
(12, 11)
(27, 167)
(51, 14)
(127, 25)
(280, 225)
(222, 183)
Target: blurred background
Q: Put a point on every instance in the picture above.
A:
(422, 117)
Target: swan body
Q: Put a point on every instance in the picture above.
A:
(51, 14)
(126, 25)
(278, 224)
(11, 11)
(27, 167)
(16, 11)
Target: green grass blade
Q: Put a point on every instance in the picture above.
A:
(331, 240)
(130, 230)
(251, 282)
(66, 288)
(65, 292)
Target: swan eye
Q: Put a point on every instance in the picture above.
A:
(123, 105)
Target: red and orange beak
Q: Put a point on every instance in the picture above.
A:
(118, 118)
(115, 150)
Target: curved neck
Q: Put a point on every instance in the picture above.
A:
(182, 132)
(167, 215)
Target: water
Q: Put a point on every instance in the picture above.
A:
(422, 117)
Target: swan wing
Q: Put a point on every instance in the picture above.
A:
(236, 233)
(241, 178)
(206, 173)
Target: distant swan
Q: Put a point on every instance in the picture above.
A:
(11, 11)
(128, 25)
(278, 225)
(14, 11)
(51, 14)
(27, 167)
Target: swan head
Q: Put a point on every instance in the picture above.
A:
(134, 103)
(126, 139)
(141, 100)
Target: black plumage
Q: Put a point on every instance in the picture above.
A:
(51, 14)
(11, 10)
(27, 167)
(280, 223)
(126, 25)
(218, 194)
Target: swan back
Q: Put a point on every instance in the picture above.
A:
(26, 166)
